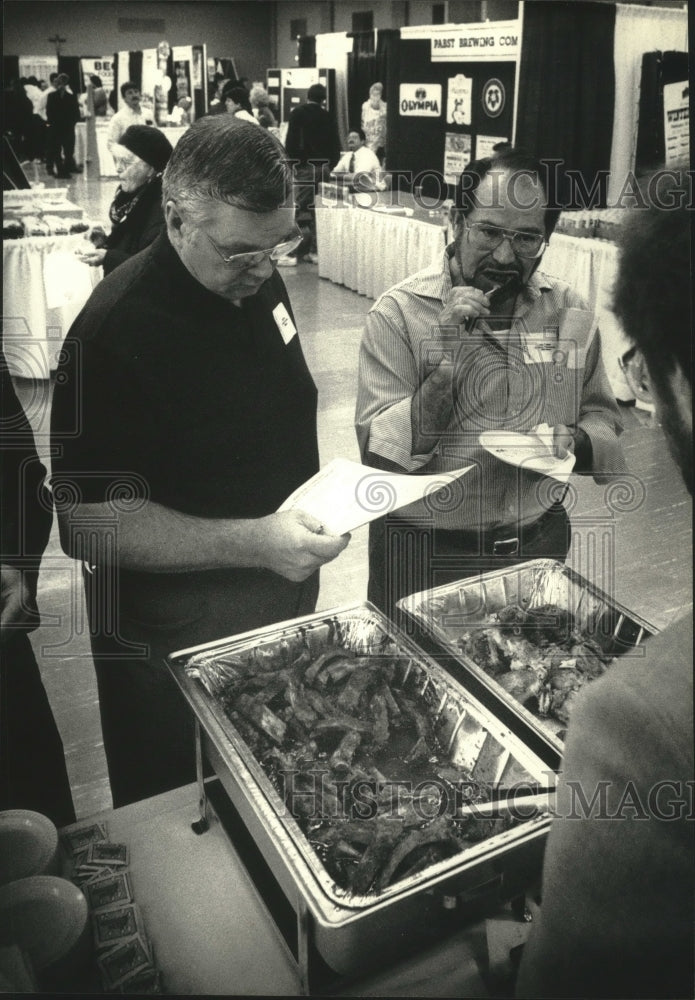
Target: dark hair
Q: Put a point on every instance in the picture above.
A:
(128, 85)
(239, 95)
(513, 161)
(220, 158)
(360, 132)
(652, 294)
(316, 92)
(51, 77)
(95, 80)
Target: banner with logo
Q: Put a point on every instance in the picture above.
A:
(421, 99)
(103, 68)
(459, 99)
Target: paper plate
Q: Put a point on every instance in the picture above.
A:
(46, 916)
(526, 451)
(28, 845)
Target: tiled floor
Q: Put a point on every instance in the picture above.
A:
(634, 542)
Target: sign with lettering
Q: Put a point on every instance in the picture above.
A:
(424, 99)
(676, 122)
(491, 41)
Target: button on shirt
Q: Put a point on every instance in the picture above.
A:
(546, 368)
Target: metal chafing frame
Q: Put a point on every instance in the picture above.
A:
(322, 916)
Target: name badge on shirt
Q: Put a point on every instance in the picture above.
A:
(284, 323)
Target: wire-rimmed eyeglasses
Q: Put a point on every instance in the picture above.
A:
(253, 257)
(484, 236)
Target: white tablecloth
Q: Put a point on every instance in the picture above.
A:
(44, 288)
(370, 251)
(590, 267)
(107, 167)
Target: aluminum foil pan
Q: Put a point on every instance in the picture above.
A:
(473, 736)
(455, 611)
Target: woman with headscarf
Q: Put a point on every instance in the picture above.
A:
(236, 100)
(136, 210)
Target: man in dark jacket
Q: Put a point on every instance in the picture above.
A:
(618, 902)
(62, 114)
(32, 764)
(312, 141)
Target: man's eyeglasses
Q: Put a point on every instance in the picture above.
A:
(486, 237)
(254, 257)
(634, 368)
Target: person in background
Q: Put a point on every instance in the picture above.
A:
(236, 102)
(32, 763)
(374, 120)
(180, 115)
(260, 102)
(216, 104)
(17, 119)
(481, 341)
(618, 897)
(195, 399)
(359, 167)
(136, 212)
(131, 114)
(99, 99)
(37, 133)
(62, 114)
(312, 142)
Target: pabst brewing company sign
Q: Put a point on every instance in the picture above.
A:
(424, 99)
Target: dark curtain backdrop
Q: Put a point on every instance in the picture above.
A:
(388, 72)
(361, 74)
(113, 96)
(10, 69)
(71, 66)
(307, 51)
(567, 85)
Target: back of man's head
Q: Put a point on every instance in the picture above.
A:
(316, 93)
(652, 294)
(652, 298)
(220, 158)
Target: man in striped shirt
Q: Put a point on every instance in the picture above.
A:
(481, 341)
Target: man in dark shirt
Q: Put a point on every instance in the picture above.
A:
(184, 415)
(312, 141)
(32, 764)
(62, 114)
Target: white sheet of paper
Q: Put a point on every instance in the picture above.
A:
(344, 495)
